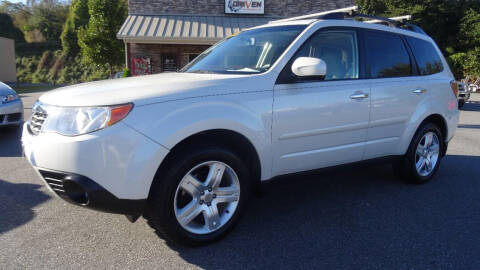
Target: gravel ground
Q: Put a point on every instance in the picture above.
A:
(355, 217)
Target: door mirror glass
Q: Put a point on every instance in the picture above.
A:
(309, 67)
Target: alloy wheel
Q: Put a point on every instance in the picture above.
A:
(207, 197)
(427, 154)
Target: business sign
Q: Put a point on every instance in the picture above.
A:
(244, 6)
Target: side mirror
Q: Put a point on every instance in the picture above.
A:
(309, 67)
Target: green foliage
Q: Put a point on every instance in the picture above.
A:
(76, 72)
(36, 48)
(9, 30)
(98, 40)
(26, 66)
(77, 19)
(126, 73)
(46, 62)
(48, 19)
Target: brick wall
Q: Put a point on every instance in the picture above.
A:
(156, 51)
(282, 8)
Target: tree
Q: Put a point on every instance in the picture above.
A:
(77, 19)
(48, 19)
(98, 42)
(8, 30)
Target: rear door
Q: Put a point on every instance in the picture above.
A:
(396, 91)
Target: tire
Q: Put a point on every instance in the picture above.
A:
(406, 166)
(169, 199)
(461, 102)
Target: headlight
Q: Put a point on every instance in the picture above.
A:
(8, 98)
(74, 121)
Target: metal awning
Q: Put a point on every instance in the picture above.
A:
(184, 29)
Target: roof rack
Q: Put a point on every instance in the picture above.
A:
(317, 15)
(352, 13)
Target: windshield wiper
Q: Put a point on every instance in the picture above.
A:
(245, 69)
(202, 71)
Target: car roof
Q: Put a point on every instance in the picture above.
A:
(347, 23)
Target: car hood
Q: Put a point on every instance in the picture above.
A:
(5, 89)
(153, 89)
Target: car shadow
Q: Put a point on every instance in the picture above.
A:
(471, 105)
(17, 201)
(354, 217)
(468, 126)
(10, 141)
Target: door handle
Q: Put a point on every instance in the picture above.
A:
(419, 90)
(359, 96)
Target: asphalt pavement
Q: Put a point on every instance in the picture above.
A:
(355, 217)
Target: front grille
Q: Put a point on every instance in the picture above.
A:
(14, 117)
(55, 181)
(39, 115)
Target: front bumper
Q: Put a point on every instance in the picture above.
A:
(83, 191)
(109, 170)
(11, 113)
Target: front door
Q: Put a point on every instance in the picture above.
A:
(320, 123)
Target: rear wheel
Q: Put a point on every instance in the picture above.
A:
(200, 196)
(423, 157)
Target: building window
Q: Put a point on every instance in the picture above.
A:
(169, 62)
(191, 57)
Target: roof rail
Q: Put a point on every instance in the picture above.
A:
(402, 19)
(352, 13)
(320, 14)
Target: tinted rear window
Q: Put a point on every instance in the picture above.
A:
(387, 55)
(428, 60)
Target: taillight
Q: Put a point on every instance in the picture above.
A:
(454, 85)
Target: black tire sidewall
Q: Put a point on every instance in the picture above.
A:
(162, 205)
(416, 177)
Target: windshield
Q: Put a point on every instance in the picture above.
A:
(249, 52)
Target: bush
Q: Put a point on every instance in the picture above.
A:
(46, 62)
(126, 73)
(26, 66)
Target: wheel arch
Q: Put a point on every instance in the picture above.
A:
(436, 119)
(233, 140)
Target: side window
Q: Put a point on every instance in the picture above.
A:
(339, 50)
(387, 55)
(428, 60)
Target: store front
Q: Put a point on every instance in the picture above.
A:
(165, 35)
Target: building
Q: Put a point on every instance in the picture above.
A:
(8, 72)
(164, 35)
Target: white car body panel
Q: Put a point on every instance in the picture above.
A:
(317, 124)
(293, 127)
(248, 114)
(118, 158)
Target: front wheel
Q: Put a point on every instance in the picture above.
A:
(461, 102)
(200, 197)
(423, 157)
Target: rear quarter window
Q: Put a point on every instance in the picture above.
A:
(428, 60)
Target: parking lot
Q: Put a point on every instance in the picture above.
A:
(355, 217)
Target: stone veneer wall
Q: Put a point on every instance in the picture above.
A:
(280, 8)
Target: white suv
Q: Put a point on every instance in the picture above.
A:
(184, 150)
